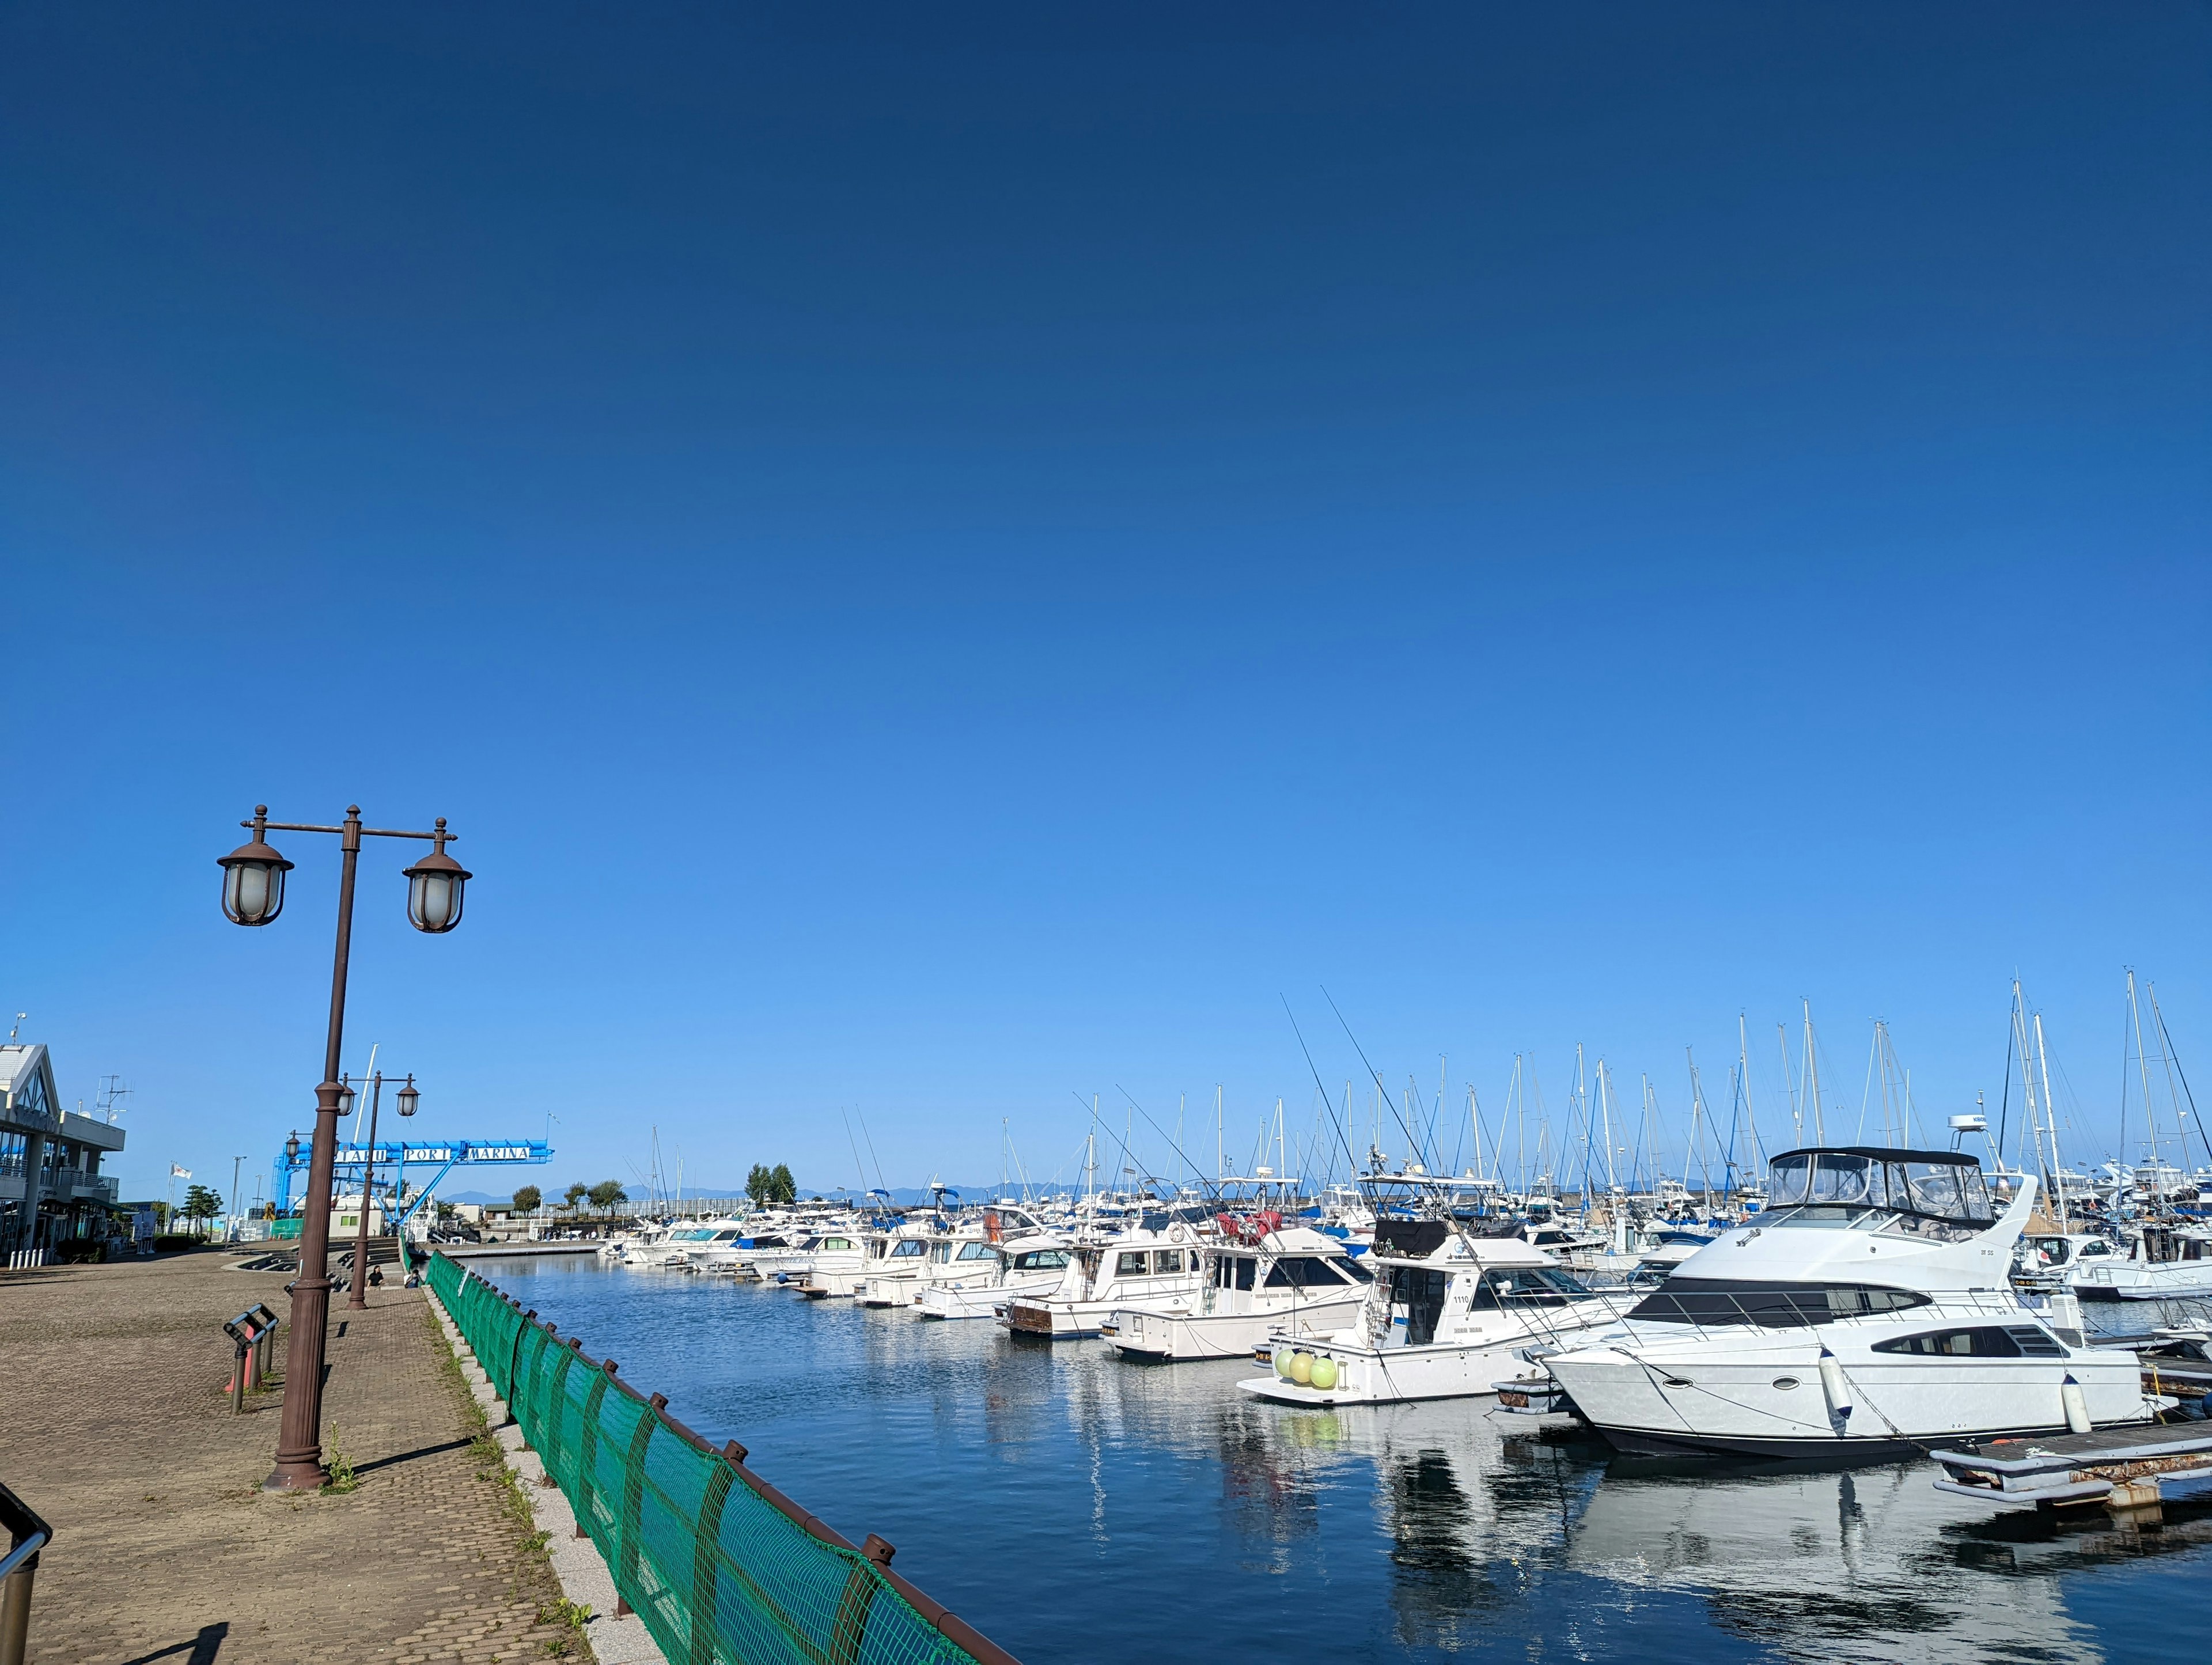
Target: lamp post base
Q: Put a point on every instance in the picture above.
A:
(309, 1477)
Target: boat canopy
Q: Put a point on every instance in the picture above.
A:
(1943, 1185)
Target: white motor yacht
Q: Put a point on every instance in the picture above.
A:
(1027, 1265)
(1259, 1281)
(962, 1250)
(2052, 1260)
(839, 1263)
(673, 1246)
(2164, 1263)
(1867, 1310)
(1447, 1315)
(840, 1244)
(1154, 1261)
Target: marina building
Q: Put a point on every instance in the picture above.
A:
(51, 1186)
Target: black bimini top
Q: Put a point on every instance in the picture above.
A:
(1882, 1153)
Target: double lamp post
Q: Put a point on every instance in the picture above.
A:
(254, 894)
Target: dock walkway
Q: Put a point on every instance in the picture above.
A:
(117, 1429)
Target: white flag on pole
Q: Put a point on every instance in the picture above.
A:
(176, 1172)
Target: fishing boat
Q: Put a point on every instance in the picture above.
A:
(2164, 1263)
(1868, 1311)
(1449, 1311)
(1260, 1279)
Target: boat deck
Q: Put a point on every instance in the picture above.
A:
(2128, 1470)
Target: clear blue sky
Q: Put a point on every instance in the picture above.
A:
(943, 560)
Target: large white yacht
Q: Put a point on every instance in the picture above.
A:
(1261, 1279)
(1868, 1309)
(1447, 1314)
(961, 1249)
(1026, 1265)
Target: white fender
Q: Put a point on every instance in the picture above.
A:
(2077, 1405)
(1835, 1387)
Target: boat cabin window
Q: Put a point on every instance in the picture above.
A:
(912, 1248)
(837, 1245)
(1420, 1291)
(1304, 1271)
(1931, 1184)
(876, 1250)
(1167, 1260)
(1519, 1286)
(1040, 1259)
(1235, 1271)
(1982, 1341)
(975, 1251)
(1548, 1239)
(1129, 1263)
(1721, 1301)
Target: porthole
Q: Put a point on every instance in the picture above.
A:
(1785, 1383)
(1678, 1381)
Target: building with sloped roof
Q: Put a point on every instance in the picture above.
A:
(51, 1186)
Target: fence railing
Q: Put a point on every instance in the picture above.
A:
(722, 1567)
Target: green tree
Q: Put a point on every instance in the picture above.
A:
(606, 1193)
(784, 1187)
(201, 1203)
(576, 1194)
(526, 1199)
(760, 1184)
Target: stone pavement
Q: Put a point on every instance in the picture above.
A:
(117, 1428)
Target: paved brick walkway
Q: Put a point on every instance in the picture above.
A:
(116, 1427)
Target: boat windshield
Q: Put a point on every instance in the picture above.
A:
(1829, 1185)
(1517, 1286)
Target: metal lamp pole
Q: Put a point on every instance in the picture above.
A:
(254, 894)
(406, 1097)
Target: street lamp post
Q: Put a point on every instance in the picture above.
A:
(407, 1098)
(254, 894)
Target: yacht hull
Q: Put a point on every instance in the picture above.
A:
(1770, 1401)
(1391, 1375)
(1155, 1337)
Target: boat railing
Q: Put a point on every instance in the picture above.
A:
(717, 1564)
(1788, 1315)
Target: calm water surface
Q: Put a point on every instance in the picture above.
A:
(1074, 1507)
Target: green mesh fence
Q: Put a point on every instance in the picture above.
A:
(723, 1568)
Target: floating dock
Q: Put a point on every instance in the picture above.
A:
(2130, 1471)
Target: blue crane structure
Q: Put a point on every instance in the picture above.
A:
(393, 1159)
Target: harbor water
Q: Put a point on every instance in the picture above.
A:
(1077, 1508)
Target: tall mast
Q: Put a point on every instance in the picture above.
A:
(2050, 1114)
(1813, 1075)
(1790, 1083)
(2150, 1117)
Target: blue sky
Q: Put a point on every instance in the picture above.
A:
(939, 564)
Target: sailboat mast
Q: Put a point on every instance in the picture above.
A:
(2150, 1116)
(2050, 1114)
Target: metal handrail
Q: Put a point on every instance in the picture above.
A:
(27, 1535)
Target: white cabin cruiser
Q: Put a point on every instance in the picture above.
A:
(1156, 1260)
(840, 1244)
(2165, 1263)
(1448, 1316)
(676, 1246)
(962, 1249)
(1867, 1310)
(840, 1271)
(1026, 1265)
(1260, 1279)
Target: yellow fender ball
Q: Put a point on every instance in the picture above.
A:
(1324, 1374)
(1282, 1362)
(1301, 1367)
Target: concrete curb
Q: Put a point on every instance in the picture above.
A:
(577, 1563)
